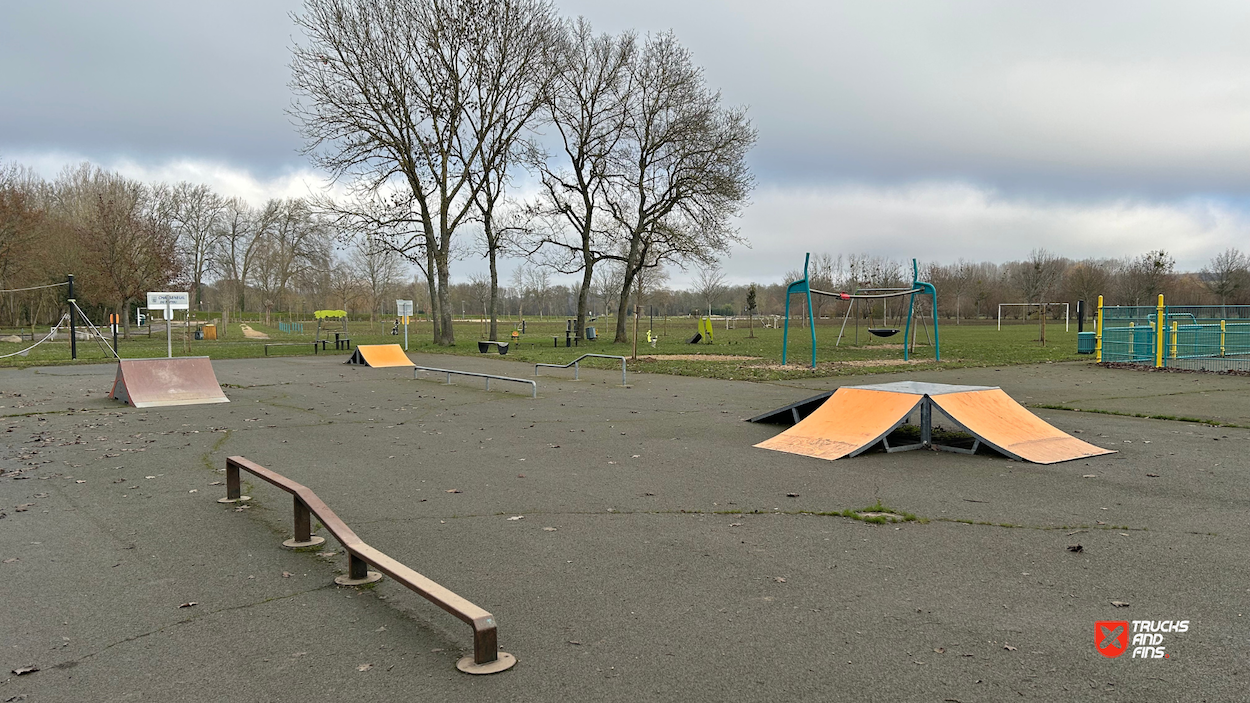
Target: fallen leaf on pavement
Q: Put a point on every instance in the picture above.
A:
(1009, 648)
(189, 604)
(23, 670)
(453, 490)
(517, 517)
(364, 667)
(1119, 604)
(1075, 548)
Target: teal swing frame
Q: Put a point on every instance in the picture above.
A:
(918, 287)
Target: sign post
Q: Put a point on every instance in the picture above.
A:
(170, 302)
(403, 308)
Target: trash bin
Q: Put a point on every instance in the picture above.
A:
(590, 333)
(210, 332)
(199, 333)
(1085, 342)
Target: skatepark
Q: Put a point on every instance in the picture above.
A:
(631, 541)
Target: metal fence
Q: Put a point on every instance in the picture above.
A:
(1196, 337)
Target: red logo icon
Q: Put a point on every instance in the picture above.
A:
(1111, 637)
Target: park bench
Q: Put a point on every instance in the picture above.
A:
(342, 341)
(295, 344)
(483, 346)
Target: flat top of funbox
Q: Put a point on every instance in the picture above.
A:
(922, 388)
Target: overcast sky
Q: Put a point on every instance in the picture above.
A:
(936, 130)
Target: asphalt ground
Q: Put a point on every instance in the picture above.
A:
(654, 554)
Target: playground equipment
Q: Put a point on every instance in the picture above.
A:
(856, 418)
(149, 383)
(803, 286)
(379, 356)
(486, 659)
(1195, 337)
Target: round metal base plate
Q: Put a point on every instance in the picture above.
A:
(346, 580)
(503, 663)
(312, 542)
(240, 499)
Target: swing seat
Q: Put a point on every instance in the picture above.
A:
(882, 332)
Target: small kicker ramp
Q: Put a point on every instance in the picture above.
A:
(995, 418)
(379, 355)
(855, 418)
(848, 423)
(151, 383)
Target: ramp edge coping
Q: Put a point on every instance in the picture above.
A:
(487, 659)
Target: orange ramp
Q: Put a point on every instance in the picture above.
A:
(855, 418)
(380, 355)
(851, 421)
(996, 419)
(185, 380)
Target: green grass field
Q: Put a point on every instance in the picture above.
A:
(962, 345)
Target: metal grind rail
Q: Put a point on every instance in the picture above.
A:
(576, 364)
(486, 659)
(487, 376)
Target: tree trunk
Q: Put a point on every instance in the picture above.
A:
(622, 310)
(435, 307)
(583, 297)
(494, 295)
(446, 335)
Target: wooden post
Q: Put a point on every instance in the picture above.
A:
(637, 309)
(1043, 324)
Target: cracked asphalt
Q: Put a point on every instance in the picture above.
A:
(631, 542)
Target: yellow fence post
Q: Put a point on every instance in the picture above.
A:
(1174, 323)
(1159, 328)
(1223, 330)
(1098, 333)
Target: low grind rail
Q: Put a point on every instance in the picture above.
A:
(576, 363)
(487, 376)
(486, 659)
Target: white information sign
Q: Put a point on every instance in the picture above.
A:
(169, 301)
(403, 308)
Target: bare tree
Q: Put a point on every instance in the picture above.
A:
(682, 164)
(586, 108)
(1088, 279)
(417, 99)
(1227, 274)
(709, 283)
(1142, 279)
(199, 219)
(132, 248)
(289, 245)
(237, 249)
(376, 268)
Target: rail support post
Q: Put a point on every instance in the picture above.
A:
(358, 573)
(303, 528)
(234, 488)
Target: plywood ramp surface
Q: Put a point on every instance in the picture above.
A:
(380, 355)
(1011, 428)
(852, 419)
(186, 380)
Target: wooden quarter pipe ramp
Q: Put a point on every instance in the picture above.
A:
(380, 355)
(150, 383)
(856, 418)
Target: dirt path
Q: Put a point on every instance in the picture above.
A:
(252, 334)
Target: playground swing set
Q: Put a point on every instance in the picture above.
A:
(917, 287)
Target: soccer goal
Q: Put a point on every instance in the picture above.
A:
(1044, 306)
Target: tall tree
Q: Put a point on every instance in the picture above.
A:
(586, 109)
(414, 98)
(199, 218)
(682, 164)
(1227, 274)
